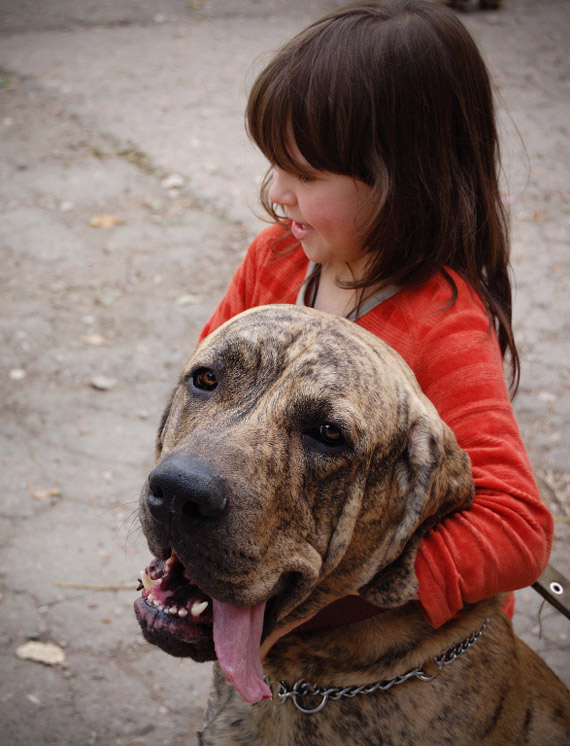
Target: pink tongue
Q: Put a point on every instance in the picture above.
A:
(237, 639)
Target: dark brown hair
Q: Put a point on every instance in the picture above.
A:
(395, 93)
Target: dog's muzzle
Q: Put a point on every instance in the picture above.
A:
(186, 488)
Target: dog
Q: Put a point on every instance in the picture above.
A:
(298, 465)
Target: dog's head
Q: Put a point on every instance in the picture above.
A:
(298, 462)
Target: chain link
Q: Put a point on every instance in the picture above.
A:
(303, 689)
(462, 647)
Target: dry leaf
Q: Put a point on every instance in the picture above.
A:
(41, 652)
(105, 221)
(95, 340)
(188, 299)
(46, 494)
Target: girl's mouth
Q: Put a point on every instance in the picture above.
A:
(300, 230)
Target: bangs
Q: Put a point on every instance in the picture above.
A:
(269, 124)
(303, 95)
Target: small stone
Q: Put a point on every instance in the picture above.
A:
(103, 383)
(107, 296)
(17, 374)
(547, 396)
(174, 181)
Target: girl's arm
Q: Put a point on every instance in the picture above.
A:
(503, 541)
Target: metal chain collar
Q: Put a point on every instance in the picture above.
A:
(302, 689)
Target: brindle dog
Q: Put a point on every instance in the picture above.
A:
(298, 463)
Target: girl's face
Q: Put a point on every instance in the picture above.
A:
(327, 211)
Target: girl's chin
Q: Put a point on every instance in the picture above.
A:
(316, 253)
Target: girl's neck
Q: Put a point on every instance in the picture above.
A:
(331, 297)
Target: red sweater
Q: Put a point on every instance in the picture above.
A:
(503, 541)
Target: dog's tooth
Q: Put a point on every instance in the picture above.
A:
(182, 613)
(173, 610)
(171, 560)
(198, 608)
(150, 598)
(156, 602)
(147, 581)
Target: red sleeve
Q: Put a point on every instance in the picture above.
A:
(503, 541)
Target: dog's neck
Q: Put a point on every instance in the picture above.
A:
(380, 632)
(338, 613)
(341, 612)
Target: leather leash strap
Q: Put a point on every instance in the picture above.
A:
(555, 588)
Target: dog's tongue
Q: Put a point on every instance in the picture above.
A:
(237, 639)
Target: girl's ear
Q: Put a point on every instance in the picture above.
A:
(434, 479)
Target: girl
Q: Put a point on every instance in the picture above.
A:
(378, 124)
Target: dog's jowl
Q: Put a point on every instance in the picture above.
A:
(298, 464)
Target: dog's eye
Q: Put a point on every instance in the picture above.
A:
(328, 434)
(205, 379)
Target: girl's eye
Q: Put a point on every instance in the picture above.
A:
(205, 379)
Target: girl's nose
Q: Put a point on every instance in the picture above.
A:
(281, 190)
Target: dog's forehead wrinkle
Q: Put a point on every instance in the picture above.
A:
(265, 356)
(319, 347)
(253, 332)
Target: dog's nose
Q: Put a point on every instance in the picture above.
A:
(185, 487)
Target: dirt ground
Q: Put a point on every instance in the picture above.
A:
(127, 198)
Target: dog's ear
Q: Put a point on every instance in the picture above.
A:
(433, 478)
